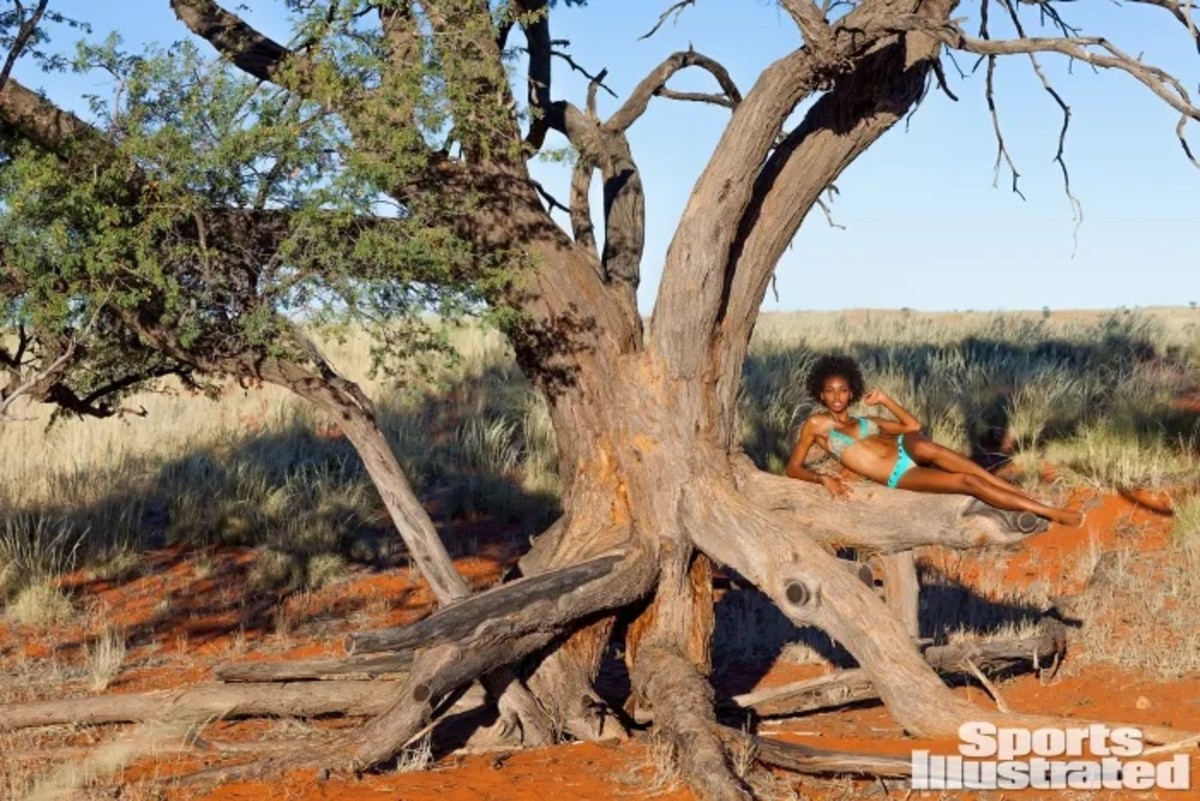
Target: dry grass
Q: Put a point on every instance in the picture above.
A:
(40, 605)
(258, 467)
(416, 757)
(1186, 527)
(1140, 612)
(105, 657)
(657, 773)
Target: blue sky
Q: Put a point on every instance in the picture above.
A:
(924, 226)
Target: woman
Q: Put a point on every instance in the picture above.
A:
(894, 452)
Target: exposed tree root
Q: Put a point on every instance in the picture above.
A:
(805, 759)
(682, 701)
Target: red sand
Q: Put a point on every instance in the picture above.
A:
(212, 618)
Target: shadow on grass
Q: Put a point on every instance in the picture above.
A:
(298, 501)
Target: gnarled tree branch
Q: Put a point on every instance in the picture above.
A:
(249, 50)
(25, 32)
(878, 520)
(655, 84)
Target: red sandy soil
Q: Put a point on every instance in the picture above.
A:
(188, 612)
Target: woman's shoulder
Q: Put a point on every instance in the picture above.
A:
(819, 422)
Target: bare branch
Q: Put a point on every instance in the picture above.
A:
(1076, 207)
(697, 97)
(595, 80)
(551, 201)
(676, 9)
(594, 85)
(249, 50)
(655, 84)
(1159, 81)
(581, 210)
(1002, 154)
(829, 215)
(44, 124)
(535, 24)
(24, 34)
(27, 383)
(940, 74)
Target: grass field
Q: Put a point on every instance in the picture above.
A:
(1100, 396)
(1074, 404)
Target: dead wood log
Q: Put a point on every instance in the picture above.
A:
(367, 666)
(203, 701)
(457, 621)
(854, 686)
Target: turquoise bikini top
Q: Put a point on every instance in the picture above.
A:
(838, 442)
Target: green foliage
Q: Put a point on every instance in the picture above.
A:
(214, 214)
(15, 17)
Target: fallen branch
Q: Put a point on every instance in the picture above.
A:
(367, 666)
(854, 686)
(203, 701)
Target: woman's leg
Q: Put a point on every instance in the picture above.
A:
(923, 450)
(926, 479)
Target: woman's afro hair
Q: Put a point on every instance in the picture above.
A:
(827, 367)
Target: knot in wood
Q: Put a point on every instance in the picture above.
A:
(421, 693)
(798, 593)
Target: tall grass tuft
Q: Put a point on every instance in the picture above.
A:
(1187, 524)
(35, 548)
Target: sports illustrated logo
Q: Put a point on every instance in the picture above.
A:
(1093, 757)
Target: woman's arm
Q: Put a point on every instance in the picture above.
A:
(796, 469)
(905, 423)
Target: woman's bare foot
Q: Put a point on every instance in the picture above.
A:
(1067, 517)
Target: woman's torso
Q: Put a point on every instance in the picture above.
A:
(861, 448)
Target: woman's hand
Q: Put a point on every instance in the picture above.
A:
(875, 397)
(837, 487)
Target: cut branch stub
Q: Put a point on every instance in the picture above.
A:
(458, 620)
(800, 593)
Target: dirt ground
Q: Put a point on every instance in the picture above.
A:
(187, 612)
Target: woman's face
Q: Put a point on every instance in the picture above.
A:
(836, 393)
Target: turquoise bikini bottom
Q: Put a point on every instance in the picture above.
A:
(904, 463)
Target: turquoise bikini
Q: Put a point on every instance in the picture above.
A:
(839, 442)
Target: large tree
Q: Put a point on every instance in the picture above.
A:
(655, 486)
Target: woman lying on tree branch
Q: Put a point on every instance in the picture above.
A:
(894, 452)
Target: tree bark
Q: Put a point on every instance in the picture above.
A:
(902, 590)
